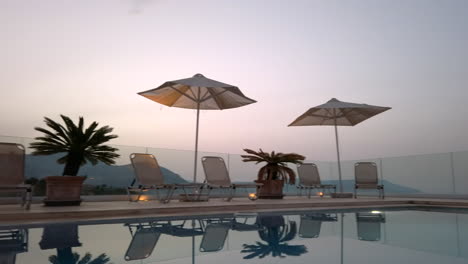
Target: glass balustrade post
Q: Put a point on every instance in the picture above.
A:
(452, 173)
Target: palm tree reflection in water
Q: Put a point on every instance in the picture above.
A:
(65, 256)
(276, 233)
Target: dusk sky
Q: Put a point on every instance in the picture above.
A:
(90, 58)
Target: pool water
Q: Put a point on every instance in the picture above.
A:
(369, 236)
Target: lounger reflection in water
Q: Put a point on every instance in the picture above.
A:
(217, 230)
(12, 242)
(144, 239)
(145, 236)
(240, 222)
(368, 225)
(311, 224)
(180, 230)
(214, 237)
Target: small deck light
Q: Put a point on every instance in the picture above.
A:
(321, 194)
(144, 198)
(253, 196)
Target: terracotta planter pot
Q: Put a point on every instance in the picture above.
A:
(63, 190)
(271, 189)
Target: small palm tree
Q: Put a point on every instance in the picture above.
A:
(276, 168)
(276, 246)
(80, 145)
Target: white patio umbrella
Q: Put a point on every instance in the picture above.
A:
(337, 113)
(198, 93)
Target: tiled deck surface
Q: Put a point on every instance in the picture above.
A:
(38, 213)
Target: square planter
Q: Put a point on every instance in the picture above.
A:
(271, 189)
(63, 190)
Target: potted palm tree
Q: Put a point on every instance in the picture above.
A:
(275, 173)
(79, 146)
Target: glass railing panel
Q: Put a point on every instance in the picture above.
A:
(176, 162)
(240, 171)
(113, 179)
(19, 140)
(460, 172)
(419, 174)
(444, 173)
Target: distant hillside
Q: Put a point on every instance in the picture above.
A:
(116, 176)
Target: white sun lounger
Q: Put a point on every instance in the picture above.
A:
(148, 176)
(366, 177)
(12, 172)
(217, 177)
(309, 179)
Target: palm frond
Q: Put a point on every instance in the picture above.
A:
(291, 232)
(276, 167)
(79, 145)
(289, 173)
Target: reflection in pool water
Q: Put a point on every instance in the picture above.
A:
(276, 232)
(300, 237)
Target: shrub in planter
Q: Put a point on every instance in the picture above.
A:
(78, 145)
(275, 173)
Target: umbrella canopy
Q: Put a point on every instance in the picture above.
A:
(198, 93)
(338, 113)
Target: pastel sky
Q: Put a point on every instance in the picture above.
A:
(90, 58)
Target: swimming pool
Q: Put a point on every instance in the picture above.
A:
(396, 235)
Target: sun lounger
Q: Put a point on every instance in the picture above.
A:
(148, 176)
(144, 239)
(311, 224)
(309, 179)
(217, 177)
(12, 172)
(366, 177)
(12, 242)
(368, 226)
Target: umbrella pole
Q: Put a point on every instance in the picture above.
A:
(196, 143)
(338, 155)
(341, 240)
(193, 243)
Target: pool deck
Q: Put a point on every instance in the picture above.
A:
(14, 214)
